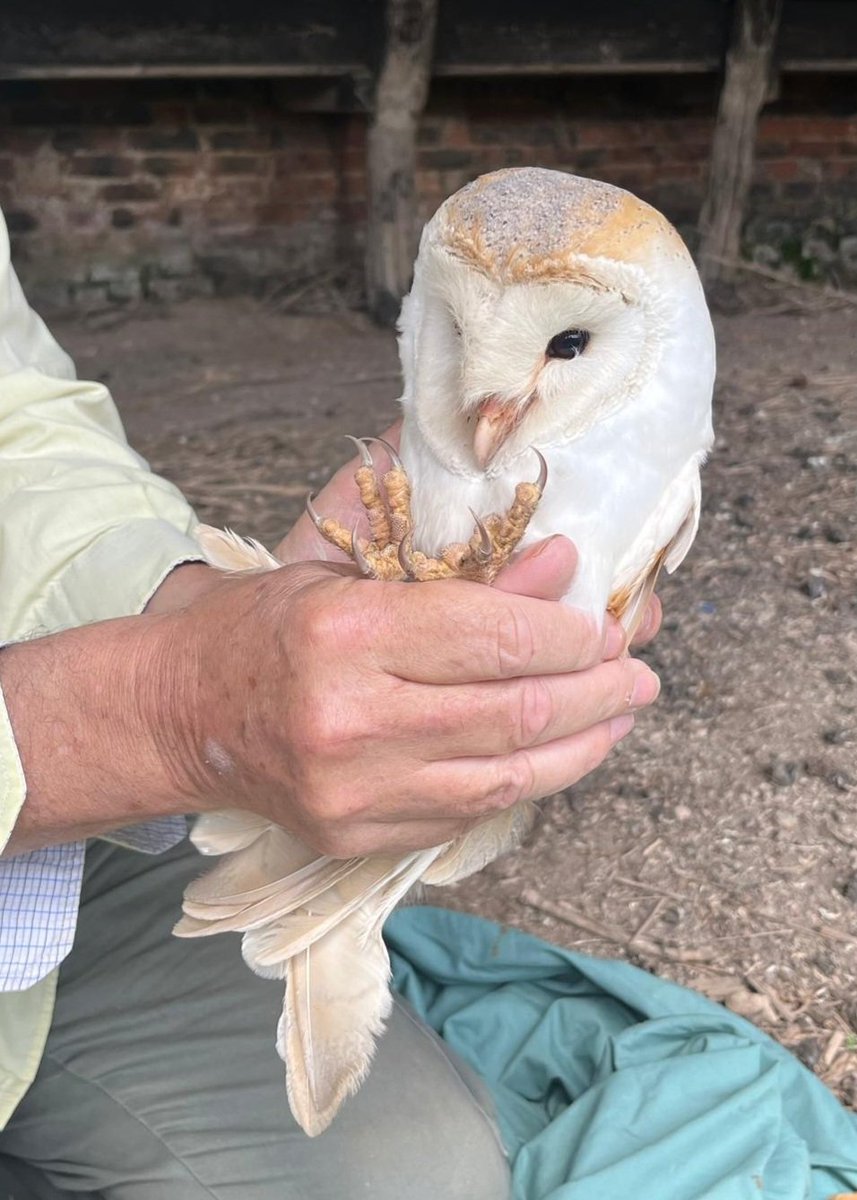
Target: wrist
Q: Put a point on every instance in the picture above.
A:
(184, 584)
(87, 713)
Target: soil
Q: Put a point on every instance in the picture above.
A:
(718, 846)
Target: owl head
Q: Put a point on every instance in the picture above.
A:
(543, 303)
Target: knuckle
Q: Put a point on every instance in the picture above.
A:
(323, 624)
(535, 712)
(516, 782)
(318, 729)
(515, 642)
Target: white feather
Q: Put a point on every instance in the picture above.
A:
(231, 552)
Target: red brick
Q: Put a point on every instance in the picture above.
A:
(779, 169)
(692, 172)
(841, 168)
(170, 164)
(242, 164)
(129, 192)
(164, 139)
(287, 162)
(816, 129)
(608, 133)
(245, 138)
(101, 166)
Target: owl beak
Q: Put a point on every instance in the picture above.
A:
(496, 420)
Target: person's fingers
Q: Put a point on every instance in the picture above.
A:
(650, 623)
(339, 498)
(483, 786)
(501, 716)
(460, 793)
(544, 571)
(453, 631)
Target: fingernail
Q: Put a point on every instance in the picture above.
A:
(614, 641)
(646, 687)
(542, 547)
(620, 726)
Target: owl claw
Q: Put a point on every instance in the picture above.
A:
(395, 461)
(362, 449)
(485, 550)
(359, 557)
(406, 562)
(543, 469)
(311, 512)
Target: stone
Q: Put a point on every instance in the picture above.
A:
(175, 261)
(128, 288)
(783, 772)
(814, 587)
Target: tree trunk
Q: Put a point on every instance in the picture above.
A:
(744, 91)
(403, 83)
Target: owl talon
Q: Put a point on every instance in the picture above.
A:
(395, 461)
(485, 550)
(362, 449)
(359, 557)
(543, 470)
(311, 512)
(405, 558)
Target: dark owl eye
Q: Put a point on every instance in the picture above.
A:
(568, 344)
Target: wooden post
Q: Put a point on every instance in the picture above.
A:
(403, 83)
(745, 88)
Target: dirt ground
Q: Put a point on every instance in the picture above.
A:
(719, 845)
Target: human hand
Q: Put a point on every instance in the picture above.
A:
(379, 717)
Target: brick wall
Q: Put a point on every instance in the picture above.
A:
(115, 191)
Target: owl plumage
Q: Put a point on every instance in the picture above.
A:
(547, 312)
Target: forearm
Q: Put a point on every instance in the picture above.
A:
(93, 713)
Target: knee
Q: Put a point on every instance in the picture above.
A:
(418, 1129)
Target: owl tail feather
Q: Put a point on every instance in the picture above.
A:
(315, 922)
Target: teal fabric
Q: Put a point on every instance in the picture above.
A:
(611, 1084)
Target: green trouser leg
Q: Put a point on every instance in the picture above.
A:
(160, 1079)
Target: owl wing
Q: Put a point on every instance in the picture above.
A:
(663, 541)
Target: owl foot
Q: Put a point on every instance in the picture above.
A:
(390, 555)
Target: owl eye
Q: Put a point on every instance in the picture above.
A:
(456, 327)
(568, 344)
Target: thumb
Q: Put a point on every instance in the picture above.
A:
(544, 571)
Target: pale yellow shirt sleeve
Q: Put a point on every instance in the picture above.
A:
(87, 532)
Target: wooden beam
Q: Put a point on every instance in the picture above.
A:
(400, 97)
(745, 87)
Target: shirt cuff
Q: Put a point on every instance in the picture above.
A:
(13, 788)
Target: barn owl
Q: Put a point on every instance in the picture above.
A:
(555, 324)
